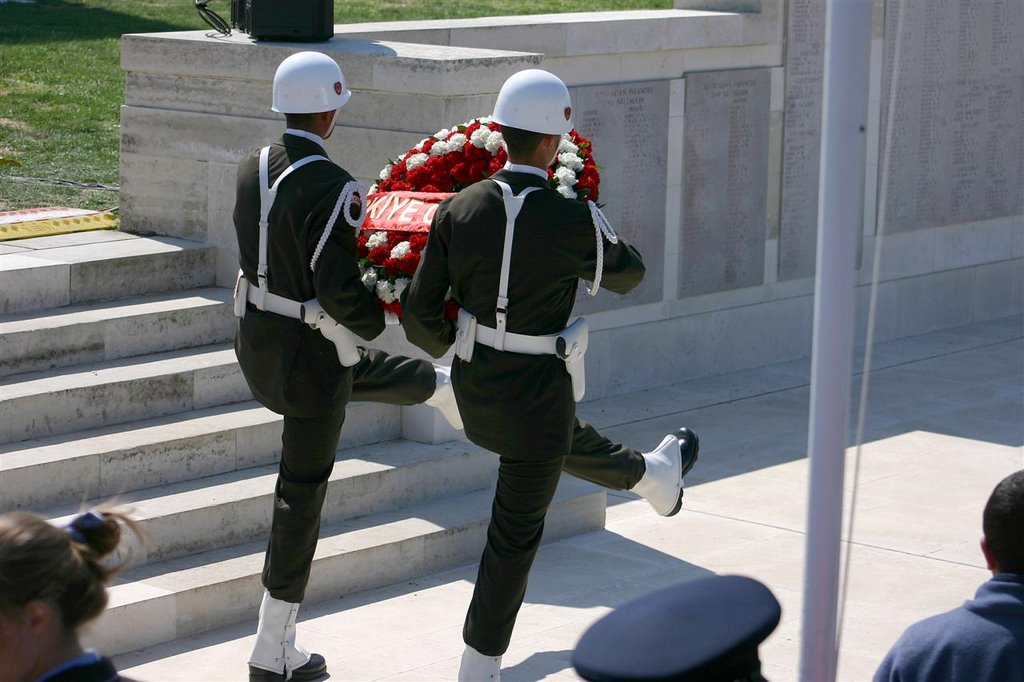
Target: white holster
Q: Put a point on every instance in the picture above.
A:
(310, 312)
(345, 342)
(570, 345)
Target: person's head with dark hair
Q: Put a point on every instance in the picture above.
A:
(521, 144)
(1003, 525)
(52, 581)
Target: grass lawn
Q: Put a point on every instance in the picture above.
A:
(61, 84)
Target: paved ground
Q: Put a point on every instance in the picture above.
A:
(945, 424)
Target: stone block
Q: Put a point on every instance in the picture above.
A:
(137, 615)
(165, 137)
(28, 282)
(998, 290)
(33, 480)
(722, 58)
(185, 92)
(934, 301)
(752, 336)
(24, 348)
(220, 384)
(645, 66)
(131, 267)
(587, 70)
(965, 245)
(163, 196)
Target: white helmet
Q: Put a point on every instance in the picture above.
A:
(309, 83)
(534, 100)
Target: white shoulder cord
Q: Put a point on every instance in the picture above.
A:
(268, 193)
(513, 204)
(603, 230)
(350, 193)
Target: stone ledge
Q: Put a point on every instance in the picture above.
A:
(368, 65)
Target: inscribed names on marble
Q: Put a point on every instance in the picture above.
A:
(628, 126)
(957, 153)
(725, 178)
(801, 138)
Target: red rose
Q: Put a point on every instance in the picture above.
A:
(379, 254)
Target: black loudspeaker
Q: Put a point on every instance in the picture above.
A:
(300, 20)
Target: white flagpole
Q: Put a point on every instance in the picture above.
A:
(840, 210)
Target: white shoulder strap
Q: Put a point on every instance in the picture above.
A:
(268, 193)
(513, 205)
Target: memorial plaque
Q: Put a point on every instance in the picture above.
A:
(628, 126)
(725, 180)
(801, 138)
(958, 114)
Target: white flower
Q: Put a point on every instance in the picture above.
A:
(484, 120)
(400, 284)
(567, 191)
(385, 174)
(385, 292)
(479, 137)
(566, 145)
(416, 160)
(442, 133)
(377, 239)
(439, 148)
(570, 161)
(565, 177)
(456, 142)
(419, 145)
(369, 279)
(401, 250)
(494, 142)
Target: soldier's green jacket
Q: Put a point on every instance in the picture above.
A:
(511, 404)
(291, 368)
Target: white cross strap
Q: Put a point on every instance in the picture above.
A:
(513, 205)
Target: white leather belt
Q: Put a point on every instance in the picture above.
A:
(518, 343)
(274, 303)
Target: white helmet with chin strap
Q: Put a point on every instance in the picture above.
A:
(534, 100)
(309, 83)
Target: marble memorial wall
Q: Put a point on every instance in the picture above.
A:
(801, 141)
(628, 127)
(725, 179)
(958, 112)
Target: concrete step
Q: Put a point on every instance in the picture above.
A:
(97, 332)
(110, 461)
(49, 403)
(56, 271)
(181, 597)
(235, 507)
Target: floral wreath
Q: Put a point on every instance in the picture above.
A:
(410, 187)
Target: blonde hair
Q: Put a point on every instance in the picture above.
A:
(63, 566)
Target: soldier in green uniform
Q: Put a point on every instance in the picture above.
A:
(511, 251)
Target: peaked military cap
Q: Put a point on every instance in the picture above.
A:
(706, 629)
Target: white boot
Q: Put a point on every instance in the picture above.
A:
(477, 667)
(443, 397)
(662, 483)
(275, 648)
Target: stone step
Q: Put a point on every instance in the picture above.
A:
(235, 507)
(52, 402)
(97, 332)
(110, 461)
(181, 597)
(57, 271)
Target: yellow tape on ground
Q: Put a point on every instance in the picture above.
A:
(45, 228)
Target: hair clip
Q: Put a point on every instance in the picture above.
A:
(86, 521)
